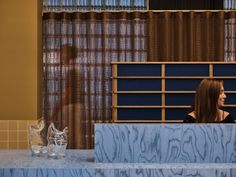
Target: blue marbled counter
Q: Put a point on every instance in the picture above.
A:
(80, 163)
(165, 143)
(24, 159)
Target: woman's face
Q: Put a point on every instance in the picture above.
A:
(222, 97)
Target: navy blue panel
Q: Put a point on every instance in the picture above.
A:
(187, 70)
(230, 84)
(224, 70)
(138, 114)
(140, 99)
(179, 99)
(182, 84)
(176, 113)
(231, 98)
(231, 110)
(139, 70)
(139, 84)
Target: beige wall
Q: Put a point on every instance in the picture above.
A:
(20, 56)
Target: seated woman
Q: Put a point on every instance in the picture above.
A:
(209, 98)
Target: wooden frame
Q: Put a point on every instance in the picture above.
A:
(209, 69)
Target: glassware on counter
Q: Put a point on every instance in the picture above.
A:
(57, 142)
(36, 139)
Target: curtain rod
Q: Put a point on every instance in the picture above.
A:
(99, 11)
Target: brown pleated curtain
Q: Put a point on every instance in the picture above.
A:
(78, 49)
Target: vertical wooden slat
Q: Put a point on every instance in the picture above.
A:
(114, 92)
(211, 70)
(163, 111)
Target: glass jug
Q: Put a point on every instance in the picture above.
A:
(57, 142)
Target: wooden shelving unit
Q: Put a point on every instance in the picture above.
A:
(164, 91)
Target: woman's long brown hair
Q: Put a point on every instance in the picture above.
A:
(206, 101)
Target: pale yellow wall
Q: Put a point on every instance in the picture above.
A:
(20, 53)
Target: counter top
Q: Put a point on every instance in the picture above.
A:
(85, 159)
(80, 163)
